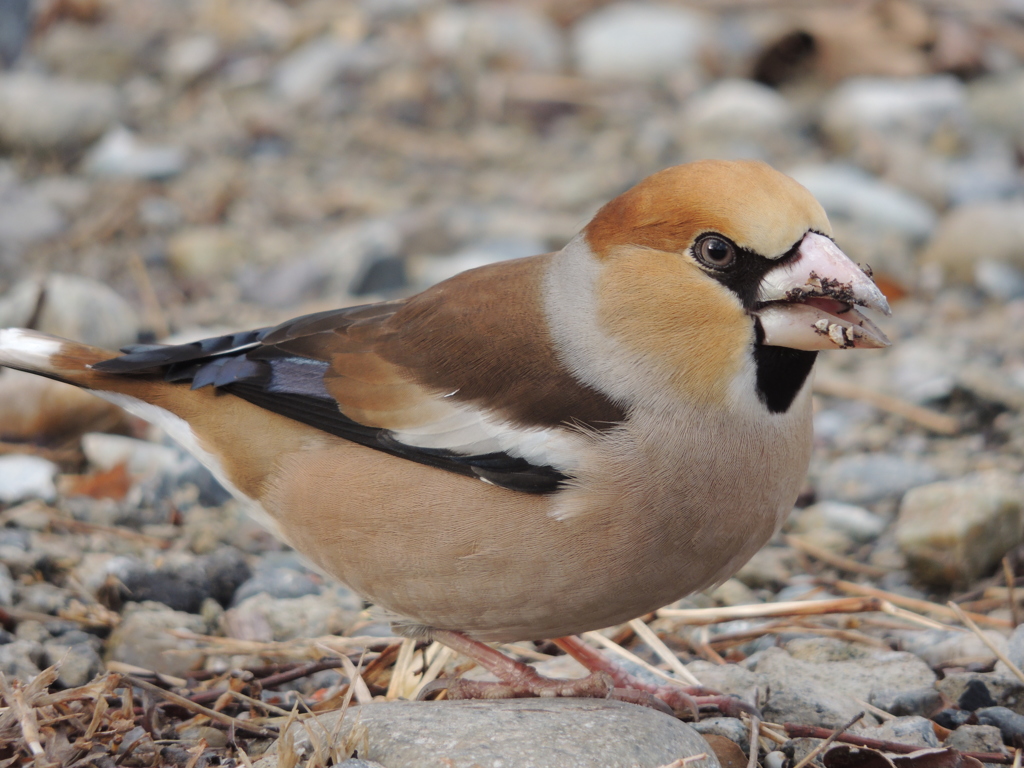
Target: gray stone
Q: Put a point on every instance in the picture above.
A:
(428, 270)
(26, 477)
(1005, 690)
(140, 457)
(79, 663)
(7, 586)
(120, 154)
(971, 235)
(188, 58)
(47, 113)
(915, 730)
(769, 567)
(73, 307)
(143, 639)
(867, 478)
(848, 193)
(920, 701)
(731, 679)
(862, 108)
(21, 659)
(821, 687)
(639, 41)
(1010, 724)
(43, 598)
(269, 618)
(976, 738)
(955, 531)
(26, 216)
(998, 102)
(560, 733)
(15, 28)
(304, 74)
(737, 118)
(856, 522)
(730, 727)
(277, 583)
(480, 33)
(939, 648)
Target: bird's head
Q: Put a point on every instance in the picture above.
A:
(707, 264)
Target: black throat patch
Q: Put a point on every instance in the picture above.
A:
(781, 373)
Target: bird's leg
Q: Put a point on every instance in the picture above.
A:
(679, 698)
(521, 681)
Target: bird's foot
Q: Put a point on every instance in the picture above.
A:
(517, 680)
(680, 698)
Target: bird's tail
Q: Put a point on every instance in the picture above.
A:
(52, 356)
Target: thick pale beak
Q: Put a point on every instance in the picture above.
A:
(808, 302)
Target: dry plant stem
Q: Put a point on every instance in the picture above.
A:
(401, 670)
(265, 733)
(797, 731)
(699, 616)
(930, 420)
(768, 733)
(755, 729)
(1010, 597)
(827, 742)
(987, 641)
(655, 643)
(876, 711)
(1016, 757)
(924, 606)
(835, 560)
(624, 653)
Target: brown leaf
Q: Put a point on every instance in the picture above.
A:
(112, 484)
(727, 751)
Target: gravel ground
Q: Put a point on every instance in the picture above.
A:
(182, 168)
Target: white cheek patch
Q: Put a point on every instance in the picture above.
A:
(180, 431)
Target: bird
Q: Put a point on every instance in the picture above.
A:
(538, 447)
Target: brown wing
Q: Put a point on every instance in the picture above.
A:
(462, 376)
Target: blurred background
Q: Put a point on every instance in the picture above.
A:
(172, 167)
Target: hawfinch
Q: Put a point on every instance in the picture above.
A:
(537, 447)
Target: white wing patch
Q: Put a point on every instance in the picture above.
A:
(472, 431)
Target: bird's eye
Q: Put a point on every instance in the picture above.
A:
(716, 252)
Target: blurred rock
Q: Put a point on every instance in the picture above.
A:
(820, 688)
(72, 307)
(1009, 723)
(105, 52)
(277, 582)
(998, 102)
(493, 34)
(15, 27)
(954, 532)
(140, 457)
(205, 252)
(189, 58)
(770, 567)
(849, 193)
(21, 660)
(429, 270)
(868, 110)
(267, 618)
(640, 41)
(914, 729)
(971, 235)
(306, 73)
(26, 216)
(856, 522)
(976, 738)
(41, 113)
(738, 119)
(6, 586)
(26, 477)
(534, 732)
(120, 154)
(143, 639)
(919, 701)
(939, 648)
(79, 663)
(867, 478)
